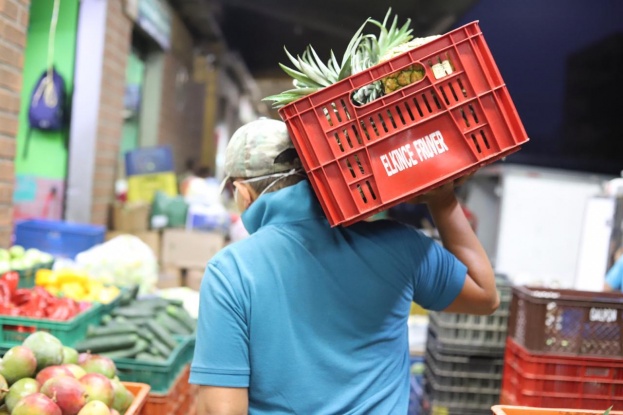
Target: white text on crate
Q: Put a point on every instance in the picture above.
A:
(404, 157)
(604, 315)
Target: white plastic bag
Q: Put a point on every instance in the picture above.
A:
(124, 260)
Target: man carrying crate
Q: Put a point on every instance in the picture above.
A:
(302, 318)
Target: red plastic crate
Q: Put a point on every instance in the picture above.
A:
(440, 128)
(551, 381)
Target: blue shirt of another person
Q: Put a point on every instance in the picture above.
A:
(313, 319)
(614, 277)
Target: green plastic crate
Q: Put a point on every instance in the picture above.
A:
(68, 332)
(189, 352)
(160, 376)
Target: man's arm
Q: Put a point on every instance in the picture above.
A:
(215, 400)
(479, 294)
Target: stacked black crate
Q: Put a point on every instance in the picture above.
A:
(464, 360)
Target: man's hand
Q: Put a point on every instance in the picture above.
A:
(442, 194)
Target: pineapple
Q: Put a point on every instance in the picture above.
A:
(390, 43)
(310, 73)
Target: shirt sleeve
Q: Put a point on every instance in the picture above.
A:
(438, 277)
(614, 277)
(222, 346)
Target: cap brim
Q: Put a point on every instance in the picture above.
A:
(223, 184)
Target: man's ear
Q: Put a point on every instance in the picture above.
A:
(246, 193)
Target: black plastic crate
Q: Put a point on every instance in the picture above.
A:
(480, 372)
(457, 399)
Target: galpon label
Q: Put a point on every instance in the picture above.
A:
(410, 154)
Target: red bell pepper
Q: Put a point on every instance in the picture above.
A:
(12, 278)
(5, 293)
(35, 307)
(22, 296)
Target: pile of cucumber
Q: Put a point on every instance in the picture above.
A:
(144, 330)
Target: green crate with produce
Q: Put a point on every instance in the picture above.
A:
(26, 262)
(150, 340)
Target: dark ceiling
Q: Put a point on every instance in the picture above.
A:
(259, 29)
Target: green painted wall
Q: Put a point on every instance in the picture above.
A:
(135, 75)
(47, 153)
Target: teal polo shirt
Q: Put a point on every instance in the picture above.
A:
(313, 319)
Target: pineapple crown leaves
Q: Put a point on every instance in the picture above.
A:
(312, 73)
(392, 37)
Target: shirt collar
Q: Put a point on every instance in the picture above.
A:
(291, 204)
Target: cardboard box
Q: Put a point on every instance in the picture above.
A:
(190, 249)
(193, 278)
(170, 277)
(131, 217)
(150, 238)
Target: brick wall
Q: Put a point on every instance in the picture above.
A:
(13, 28)
(181, 109)
(116, 52)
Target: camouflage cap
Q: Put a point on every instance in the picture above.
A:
(260, 148)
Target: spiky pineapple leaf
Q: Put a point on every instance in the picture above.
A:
(300, 77)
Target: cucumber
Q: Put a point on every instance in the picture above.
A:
(106, 344)
(147, 357)
(111, 330)
(161, 334)
(130, 312)
(172, 325)
(145, 334)
(182, 316)
(106, 319)
(175, 302)
(140, 346)
(163, 349)
(153, 303)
